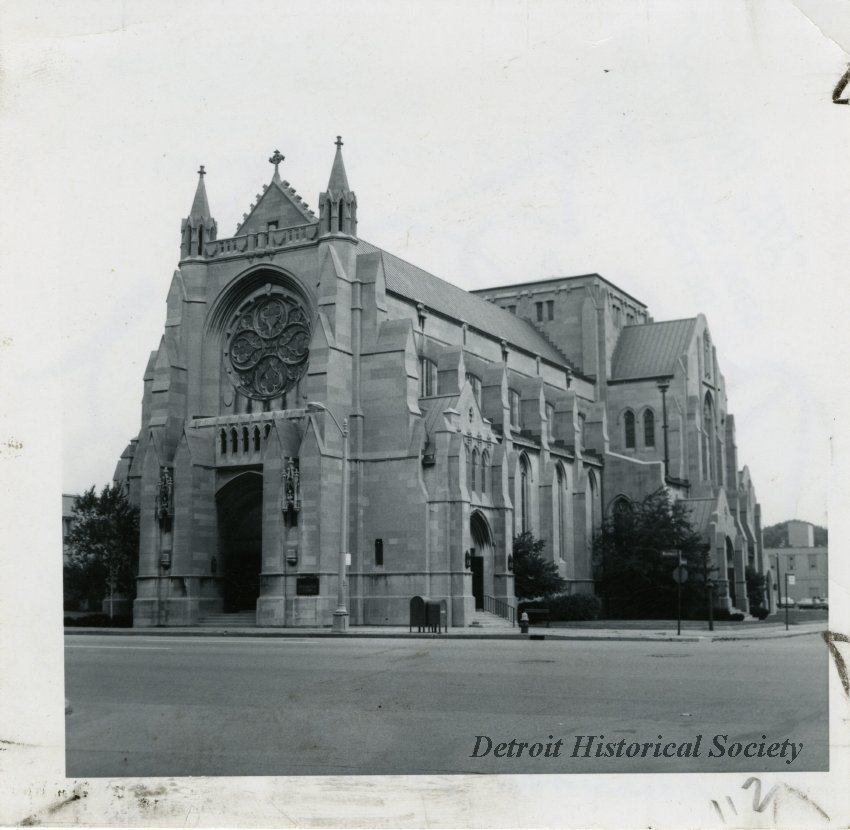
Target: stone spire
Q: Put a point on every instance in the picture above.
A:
(199, 227)
(338, 204)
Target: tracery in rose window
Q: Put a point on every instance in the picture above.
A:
(268, 346)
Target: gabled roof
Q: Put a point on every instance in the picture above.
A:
(651, 349)
(418, 285)
(279, 202)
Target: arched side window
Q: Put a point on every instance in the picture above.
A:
(621, 505)
(629, 429)
(707, 361)
(427, 377)
(524, 494)
(485, 471)
(245, 439)
(468, 468)
(649, 428)
(256, 439)
(234, 441)
(592, 510)
(550, 418)
(561, 496)
(475, 384)
(473, 471)
(707, 437)
(223, 437)
(514, 402)
(266, 430)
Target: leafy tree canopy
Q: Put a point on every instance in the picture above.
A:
(776, 536)
(103, 544)
(635, 578)
(534, 575)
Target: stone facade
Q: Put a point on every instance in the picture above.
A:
(295, 350)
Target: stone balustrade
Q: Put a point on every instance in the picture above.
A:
(261, 241)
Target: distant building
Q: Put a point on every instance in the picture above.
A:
(803, 561)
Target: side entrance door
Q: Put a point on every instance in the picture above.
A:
(478, 580)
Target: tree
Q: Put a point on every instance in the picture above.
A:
(103, 545)
(776, 536)
(534, 576)
(635, 579)
(756, 587)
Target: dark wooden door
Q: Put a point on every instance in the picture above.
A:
(478, 580)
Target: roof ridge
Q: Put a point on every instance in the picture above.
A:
(660, 323)
(493, 307)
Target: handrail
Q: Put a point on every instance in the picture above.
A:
(500, 608)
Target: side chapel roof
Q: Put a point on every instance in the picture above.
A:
(651, 349)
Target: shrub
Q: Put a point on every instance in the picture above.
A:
(760, 612)
(99, 621)
(567, 607)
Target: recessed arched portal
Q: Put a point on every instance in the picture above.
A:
(482, 557)
(730, 571)
(240, 521)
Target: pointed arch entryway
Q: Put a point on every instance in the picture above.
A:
(240, 520)
(482, 557)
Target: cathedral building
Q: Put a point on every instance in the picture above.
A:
(328, 430)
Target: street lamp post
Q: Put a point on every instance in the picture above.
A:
(340, 616)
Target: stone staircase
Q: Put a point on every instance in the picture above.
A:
(238, 619)
(484, 619)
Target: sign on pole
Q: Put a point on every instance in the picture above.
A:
(680, 574)
(792, 579)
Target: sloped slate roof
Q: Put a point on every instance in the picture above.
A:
(419, 286)
(650, 349)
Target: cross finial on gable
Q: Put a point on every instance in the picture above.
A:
(338, 142)
(276, 159)
(202, 172)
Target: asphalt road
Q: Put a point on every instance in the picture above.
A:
(172, 706)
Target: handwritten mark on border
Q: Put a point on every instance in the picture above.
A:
(839, 88)
(831, 638)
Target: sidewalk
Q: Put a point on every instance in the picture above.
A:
(736, 631)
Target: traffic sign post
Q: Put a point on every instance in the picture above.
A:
(680, 574)
(790, 579)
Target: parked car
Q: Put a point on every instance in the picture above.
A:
(786, 602)
(812, 603)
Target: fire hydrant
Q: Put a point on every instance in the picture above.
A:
(523, 623)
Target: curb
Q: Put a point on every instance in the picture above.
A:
(296, 634)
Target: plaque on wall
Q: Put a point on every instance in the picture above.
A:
(307, 585)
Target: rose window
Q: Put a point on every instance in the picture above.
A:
(268, 346)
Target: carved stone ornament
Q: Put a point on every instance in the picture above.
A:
(268, 346)
(165, 495)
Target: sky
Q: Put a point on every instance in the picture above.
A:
(688, 152)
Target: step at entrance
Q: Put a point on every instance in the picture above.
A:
(238, 619)
(484, 619)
